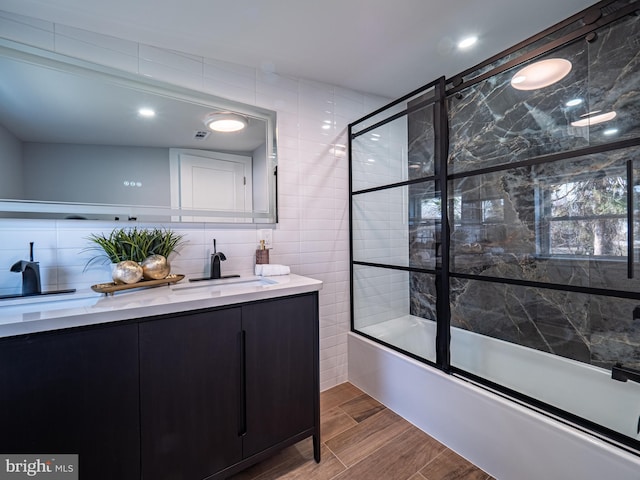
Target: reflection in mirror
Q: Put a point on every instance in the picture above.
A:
(79, 140)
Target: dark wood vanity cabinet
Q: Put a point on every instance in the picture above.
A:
(74, 391)
(191, 396)
(222, 389)
(281, 371)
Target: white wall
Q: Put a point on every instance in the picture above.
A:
(96, 174)
(380, 223)
(10, 165)
(313, 234)
(260, 180)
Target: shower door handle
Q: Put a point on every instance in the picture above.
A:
(622, 373)
(630, 239)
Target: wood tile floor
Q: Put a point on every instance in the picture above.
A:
(364, 440)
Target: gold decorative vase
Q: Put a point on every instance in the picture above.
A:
(127, 272)
(155, 267)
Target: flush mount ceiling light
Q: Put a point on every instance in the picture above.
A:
(592, 119)
(541, 74)
(467, 42)
(146, 112)
(225, 122)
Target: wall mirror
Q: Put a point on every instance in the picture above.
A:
(75, 143)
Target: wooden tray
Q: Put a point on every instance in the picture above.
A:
(110, 288)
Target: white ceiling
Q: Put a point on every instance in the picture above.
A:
(382, 47)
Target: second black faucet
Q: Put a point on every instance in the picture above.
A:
(215, 270)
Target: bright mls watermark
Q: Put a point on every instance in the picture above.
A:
(50, 467)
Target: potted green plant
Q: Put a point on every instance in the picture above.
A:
(133, 243)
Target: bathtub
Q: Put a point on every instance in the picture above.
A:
(504, 438)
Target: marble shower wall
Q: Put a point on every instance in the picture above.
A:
(509, 224)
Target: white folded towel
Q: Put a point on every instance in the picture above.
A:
(270, 269)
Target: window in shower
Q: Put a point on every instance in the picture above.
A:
(583, 216)
(496, 230)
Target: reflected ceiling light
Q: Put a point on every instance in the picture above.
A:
(541, 74)
(610, 131)
(467, 42)
(574, 102)
(225, 122)
(594, 119)
(147, 112)
(339, 150)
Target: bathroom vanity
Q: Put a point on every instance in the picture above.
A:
(221, 379)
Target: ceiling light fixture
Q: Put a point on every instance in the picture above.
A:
(594, 119)
(225, 122)
(146, 112)
(467, 42)
(541, 74)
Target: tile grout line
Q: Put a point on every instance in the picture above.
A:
(438, 455)
(337, 458)
(391, 439)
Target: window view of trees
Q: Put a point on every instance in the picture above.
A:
(584, 217)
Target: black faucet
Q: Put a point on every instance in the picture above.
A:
(215, 272)
(216, 258)
(30, 274)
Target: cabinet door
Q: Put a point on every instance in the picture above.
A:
(189, 390)
(281, 372)
(74, 392)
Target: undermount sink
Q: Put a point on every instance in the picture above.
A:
(225, 284)
(40, 307)
(36, 295)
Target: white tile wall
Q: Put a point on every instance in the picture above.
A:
(312, 236)
(380, 224)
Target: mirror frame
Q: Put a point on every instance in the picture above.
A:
(36, 209)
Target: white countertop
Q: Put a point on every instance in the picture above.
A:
(53, 312)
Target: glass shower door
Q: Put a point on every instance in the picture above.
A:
(395, 229)
(545, 287)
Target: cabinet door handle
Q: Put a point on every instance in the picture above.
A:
(242, 413)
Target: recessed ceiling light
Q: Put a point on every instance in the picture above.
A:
(225, 122)
(594, 119)
(574, 102)
(541, 74)
(467, 42)
(146, 112)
